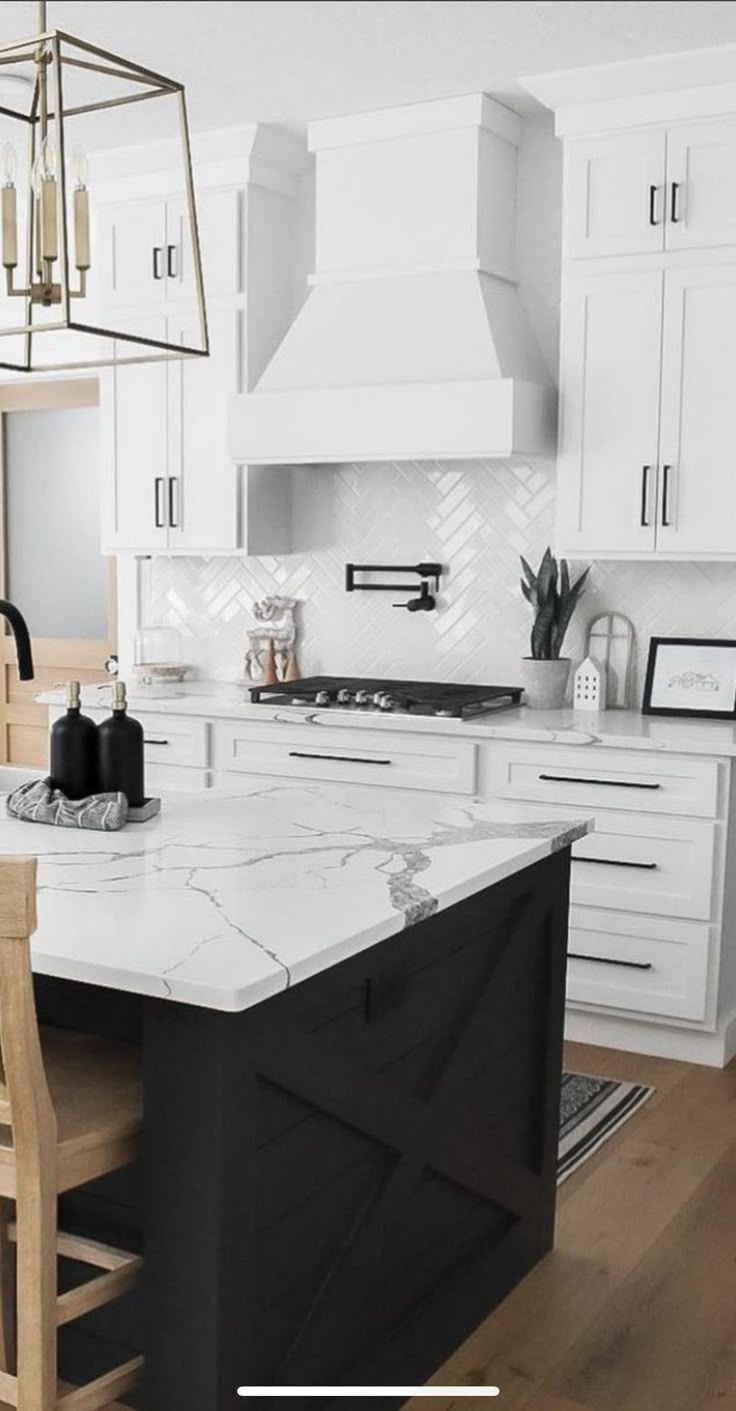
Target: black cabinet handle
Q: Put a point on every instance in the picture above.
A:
(338, 758)
(609, 783)
(171, 268)
(653, 205)
(608, 960)
(666, 469)
(173, 502)
(618, 862)
(644, 515)
(158, 272)
(156, 742)
(673, 203)
(158, 512)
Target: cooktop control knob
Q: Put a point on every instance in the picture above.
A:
(322, 698)
(363, 698)
(344, 697)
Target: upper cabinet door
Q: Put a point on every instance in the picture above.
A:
(609, 414)
(697, 499)
(218, 217)
(203, 480)
(133, 253)
(701, 191)
(615, 199)
(135, 452)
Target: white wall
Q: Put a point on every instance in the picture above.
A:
(475, 518)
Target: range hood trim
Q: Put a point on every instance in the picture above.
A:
(496, 419)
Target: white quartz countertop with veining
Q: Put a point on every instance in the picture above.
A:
(616, 729)
(224, 900)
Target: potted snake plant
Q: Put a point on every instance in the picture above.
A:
(553, 599)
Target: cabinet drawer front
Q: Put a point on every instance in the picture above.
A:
(163, 777)
(171, 740)
(598, 778)
(638, 964)
(664, 866)
(355, 757)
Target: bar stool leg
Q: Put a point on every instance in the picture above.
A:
(36, 1256)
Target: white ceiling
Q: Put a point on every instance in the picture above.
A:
(291, 60)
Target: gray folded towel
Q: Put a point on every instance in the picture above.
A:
(39, 802)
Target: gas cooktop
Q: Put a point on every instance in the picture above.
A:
(398, 697)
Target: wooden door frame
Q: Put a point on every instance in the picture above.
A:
(53, 395)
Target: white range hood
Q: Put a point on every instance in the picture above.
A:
(412, 343)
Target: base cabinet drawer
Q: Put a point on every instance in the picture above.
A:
(160, 777)
(659, 865)
(342, 756)
(593, 778)
(171, 740)
(637, 963)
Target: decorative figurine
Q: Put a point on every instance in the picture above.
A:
(272, 643)
(589, 686)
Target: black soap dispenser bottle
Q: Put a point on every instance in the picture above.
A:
(120, 751)
(73, 753)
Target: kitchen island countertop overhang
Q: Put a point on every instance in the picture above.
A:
(227, 899)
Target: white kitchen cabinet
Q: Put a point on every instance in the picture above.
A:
(175, 486)
(648, 190)
(133, 409)
(697, 509)
(609, 413)
(648, 414)
(701, 176)
(147, 255)
(615, 197)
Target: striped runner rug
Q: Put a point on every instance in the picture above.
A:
(591, 1110)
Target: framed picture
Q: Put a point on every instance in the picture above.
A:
(691, 676)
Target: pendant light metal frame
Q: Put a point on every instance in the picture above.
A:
(54, 45)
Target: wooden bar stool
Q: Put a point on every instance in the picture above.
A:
(70, 1110)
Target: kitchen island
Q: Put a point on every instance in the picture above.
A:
(350, 1007)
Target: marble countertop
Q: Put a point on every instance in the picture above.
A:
(224, 900)
(616, 729)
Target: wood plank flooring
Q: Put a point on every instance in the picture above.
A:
(635, 1309)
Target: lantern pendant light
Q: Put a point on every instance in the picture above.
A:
(59, 256)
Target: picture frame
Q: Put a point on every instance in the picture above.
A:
(691, 676)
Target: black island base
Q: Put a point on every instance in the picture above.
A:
(342, 1182)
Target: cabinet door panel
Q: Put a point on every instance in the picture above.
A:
(609, 413)
(697, 509)
(614, 195)
(136, 451)
(218, 215)
(204, 497)
(701, 198)
(133, 253)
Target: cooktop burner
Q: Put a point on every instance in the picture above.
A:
(398, 697)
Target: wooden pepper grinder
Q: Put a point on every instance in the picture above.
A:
(270, 674)
(292, 672)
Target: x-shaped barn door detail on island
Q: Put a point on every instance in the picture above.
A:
(346, 1179)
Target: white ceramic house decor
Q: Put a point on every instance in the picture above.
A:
(589, 686)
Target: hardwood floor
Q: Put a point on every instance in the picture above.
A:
(635, 1309)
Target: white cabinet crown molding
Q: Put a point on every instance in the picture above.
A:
(259, 154)
(658, 88)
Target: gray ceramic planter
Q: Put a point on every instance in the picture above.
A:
(544, 682)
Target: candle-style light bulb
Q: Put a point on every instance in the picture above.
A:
(80, 169)
(43, 179)
(81, 210)
(8, 165)
(8, 207)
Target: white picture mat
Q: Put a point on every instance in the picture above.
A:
(694, 678)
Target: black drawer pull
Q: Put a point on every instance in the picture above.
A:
(619, 862)
(608, 960)
(609, 783)
(337, 758)
(156, 742)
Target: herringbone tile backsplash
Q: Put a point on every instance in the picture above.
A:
(476, 519)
